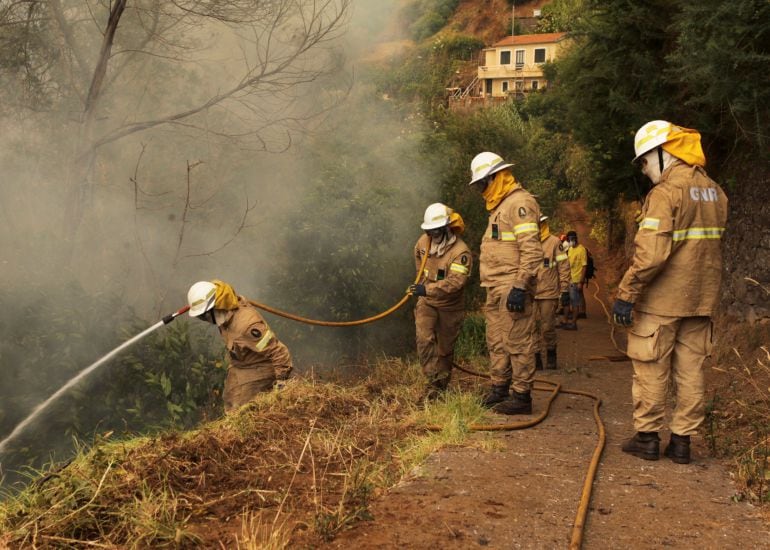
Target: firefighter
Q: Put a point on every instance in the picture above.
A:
(256, 358)
(553, 277)
(671, 290)
(440, 307)
(578, 264)
(510, 256)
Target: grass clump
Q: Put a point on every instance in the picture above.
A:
(291, 468)
(737, 422)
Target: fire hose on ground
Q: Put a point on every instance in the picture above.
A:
(555, 388)
(578, 526)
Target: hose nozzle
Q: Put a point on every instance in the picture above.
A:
(171, 316)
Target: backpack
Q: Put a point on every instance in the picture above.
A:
(590, 268)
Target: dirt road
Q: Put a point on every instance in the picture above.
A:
(525, 493)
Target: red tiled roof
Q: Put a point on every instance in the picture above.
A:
(531, 39)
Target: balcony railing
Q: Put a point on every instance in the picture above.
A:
(511, 70)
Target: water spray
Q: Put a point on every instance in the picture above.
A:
(85, 372)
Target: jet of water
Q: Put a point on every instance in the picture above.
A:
(82, 374)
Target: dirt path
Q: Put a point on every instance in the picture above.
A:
(525, 493)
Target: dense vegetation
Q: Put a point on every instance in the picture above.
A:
(698, 65)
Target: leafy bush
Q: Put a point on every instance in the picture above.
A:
(54, 333)
(427, 17)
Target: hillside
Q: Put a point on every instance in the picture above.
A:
(315, 208)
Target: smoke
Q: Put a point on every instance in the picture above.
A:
(304, 190)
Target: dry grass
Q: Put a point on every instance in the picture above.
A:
(738, 415)
(292, 468)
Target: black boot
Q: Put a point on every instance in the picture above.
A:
(644, 445)
(518, 403)
(434, 389)
(550, 359)
(678, 449)
(538, 362)
(497, 394)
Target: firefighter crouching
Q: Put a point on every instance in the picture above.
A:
(672, 287)
(440, 307)
(510, 255)
(553, 278)
(256, 358)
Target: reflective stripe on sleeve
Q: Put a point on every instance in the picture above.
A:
(262, 344)
(525, 228)
(507, 236)
(561, 257)
(459, 268)
(650, 223)
(698, 233)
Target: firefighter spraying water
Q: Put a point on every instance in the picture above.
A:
(84, 373)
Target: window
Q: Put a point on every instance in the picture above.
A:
(534, 84)
(505, 86)
(519, 59)
(539, 55)
(505, 58)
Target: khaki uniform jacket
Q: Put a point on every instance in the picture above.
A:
(251, 344)
(553, 275)
(444, 277)
(676, 269)
(510, 248)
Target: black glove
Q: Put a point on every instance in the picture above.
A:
(417, 290)
(564, 299)
(622, 313)
(515, 301)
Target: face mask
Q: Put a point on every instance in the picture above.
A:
(436, 235)
(650, 164)
(208, 317)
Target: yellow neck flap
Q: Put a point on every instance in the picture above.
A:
(225, 297)
(500, 188)
(545, 232)
(684, 144)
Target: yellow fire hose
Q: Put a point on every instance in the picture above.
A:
(357, 322)
(614, 358)
(578, 526)
(555, 388)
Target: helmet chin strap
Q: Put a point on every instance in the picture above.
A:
(660, 158)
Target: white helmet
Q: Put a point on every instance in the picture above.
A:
(651, 135)
(436, 215)
(201, 297)
(485, 164)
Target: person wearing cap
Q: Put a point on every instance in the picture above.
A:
(671, 290)
(510, 256)
(440, 307)
(256, 358)
(578, 264)
(553, 277)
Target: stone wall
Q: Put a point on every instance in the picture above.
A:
(747, 245)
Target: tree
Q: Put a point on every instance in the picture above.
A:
(720, 62)
(613, 81)
(111, 69)
(560, 16)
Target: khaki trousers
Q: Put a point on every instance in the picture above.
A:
(437, 330)
(545, 324)
(243, 384)
(509, 340)
(659, 348)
